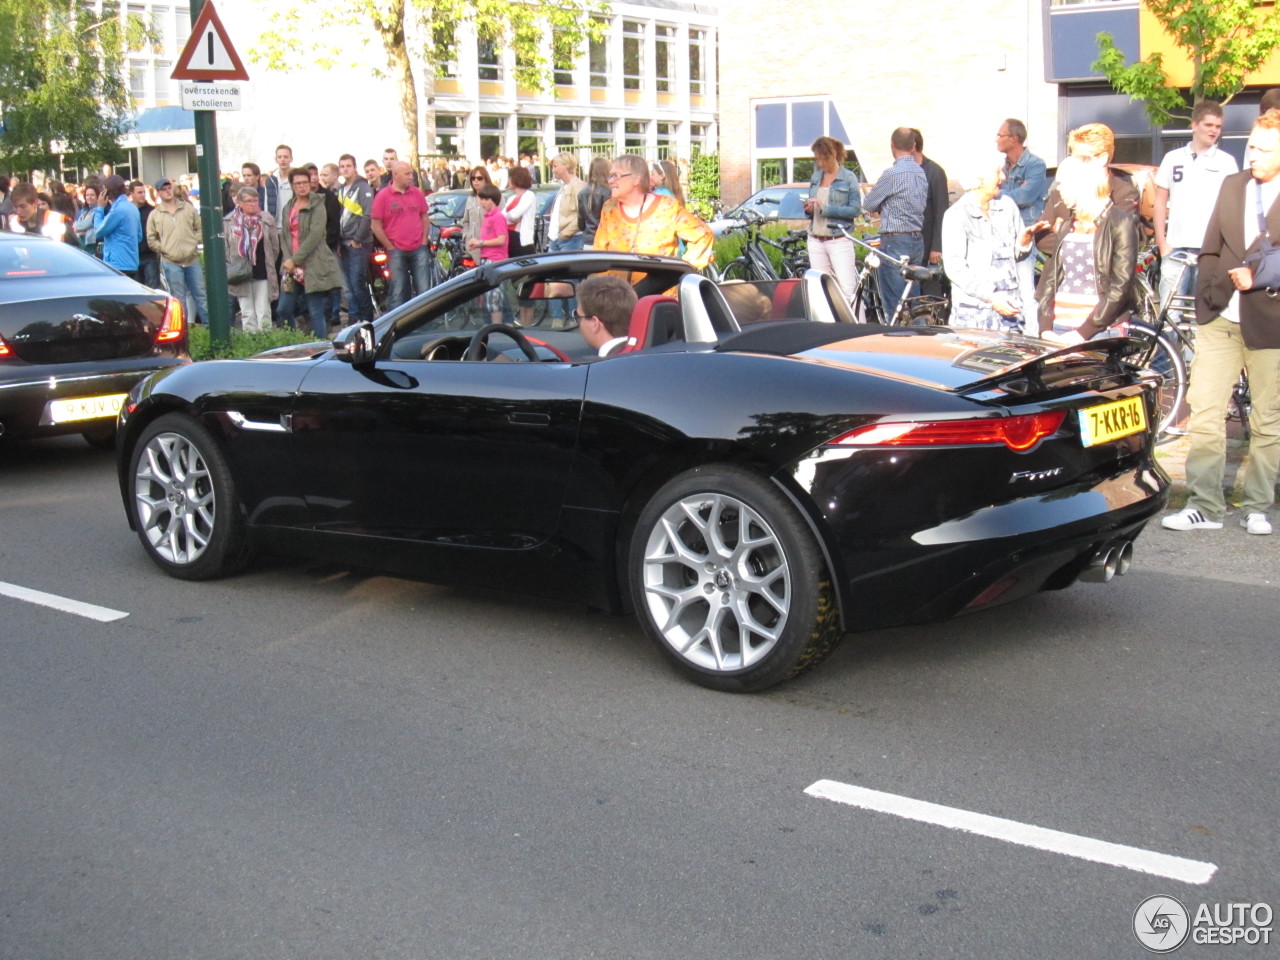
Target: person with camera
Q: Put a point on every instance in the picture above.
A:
(1238, 311)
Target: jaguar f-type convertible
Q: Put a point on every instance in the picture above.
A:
(754, 475)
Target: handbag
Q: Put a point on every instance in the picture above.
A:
(1265, 261)
(239, 270)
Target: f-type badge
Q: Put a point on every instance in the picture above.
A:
(1034, 475)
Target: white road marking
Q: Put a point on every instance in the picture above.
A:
(101, 614)
(1025, 834)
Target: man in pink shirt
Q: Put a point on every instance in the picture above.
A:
(401, 225)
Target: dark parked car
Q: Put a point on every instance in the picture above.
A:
(75, 336)
(751, 493)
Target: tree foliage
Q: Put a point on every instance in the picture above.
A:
(1224, 41)
(63, 88)
(416, 38)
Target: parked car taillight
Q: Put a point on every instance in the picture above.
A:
(1016, 433)
(174, 322)
(5, 351)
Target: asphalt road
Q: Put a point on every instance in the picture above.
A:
(310, 762)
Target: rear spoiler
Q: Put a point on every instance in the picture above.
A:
(1029, 376)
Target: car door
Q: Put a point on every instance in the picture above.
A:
(429, 456)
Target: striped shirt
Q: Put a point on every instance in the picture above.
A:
(899, 196)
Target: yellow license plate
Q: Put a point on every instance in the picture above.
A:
(85, 408)
(1110, 421)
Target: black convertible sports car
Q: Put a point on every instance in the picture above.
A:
(752, 492)
(75, 336)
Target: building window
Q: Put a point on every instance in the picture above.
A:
(782, 131)
(602, 131)
(697, 62)
(161, 74)
(566, 132)
(598, 59)
(664, 46)
(666, 138)
(632, 54)
(137, 79)
(448, 134)
(562, 59)
(529, 135)
(445, 44)
(698, 138)
(634, 135)
(490, 59)
(492, 130)
(162, 28)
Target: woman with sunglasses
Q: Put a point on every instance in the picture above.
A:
(472, 214)
(635, 220)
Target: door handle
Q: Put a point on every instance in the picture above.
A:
(530, 419)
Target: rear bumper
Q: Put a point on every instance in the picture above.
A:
(995, 554)
(25, 393)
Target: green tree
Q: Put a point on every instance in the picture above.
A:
(62, 81)
(1224, 41)
(421, 35)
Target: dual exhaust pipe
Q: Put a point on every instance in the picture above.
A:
(1112, 560)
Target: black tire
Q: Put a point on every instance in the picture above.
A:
(1167, 360)
(739, 269)
(779, 612)
(101, 437)
(183, 501)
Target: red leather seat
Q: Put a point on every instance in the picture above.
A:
(655, 320)
(784, 295)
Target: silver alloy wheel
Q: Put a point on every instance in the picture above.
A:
(716, 582)
(175, 498)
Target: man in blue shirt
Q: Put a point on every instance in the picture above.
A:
(899, 196)
(119, 227)
(1026, 183)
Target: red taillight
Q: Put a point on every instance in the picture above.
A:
(5, 351)
(1016, 433)
(379, 257)
(174, 325)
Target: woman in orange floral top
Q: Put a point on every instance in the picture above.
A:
(634, 220)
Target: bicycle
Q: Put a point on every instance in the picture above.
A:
(755, 264)
(910, 311)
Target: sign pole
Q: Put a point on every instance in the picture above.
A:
(215, 255)
(208, 57)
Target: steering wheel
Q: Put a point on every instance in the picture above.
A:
(481, 340)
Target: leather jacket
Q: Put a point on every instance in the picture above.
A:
(1115, 258)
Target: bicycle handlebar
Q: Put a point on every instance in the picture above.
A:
(905, 266)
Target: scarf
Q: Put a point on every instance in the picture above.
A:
(248, 231)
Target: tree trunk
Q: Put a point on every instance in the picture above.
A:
(390, 26)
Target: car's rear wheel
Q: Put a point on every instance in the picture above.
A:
(729, 582)
(184, 503)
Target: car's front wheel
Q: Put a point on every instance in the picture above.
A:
(729, 582)
(184, 504)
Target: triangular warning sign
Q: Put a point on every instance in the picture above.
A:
(209, 54)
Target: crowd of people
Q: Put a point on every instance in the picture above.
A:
(300, 237)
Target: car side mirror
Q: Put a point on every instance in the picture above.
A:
(357, 345)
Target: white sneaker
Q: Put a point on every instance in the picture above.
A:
(1256, 523)
(1189, 518)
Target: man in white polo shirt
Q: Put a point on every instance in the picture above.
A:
(1187, 187)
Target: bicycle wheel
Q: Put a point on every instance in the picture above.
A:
(739, 269)
(1166, 360)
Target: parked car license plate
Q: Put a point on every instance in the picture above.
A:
(1110, 421)
(85, 408)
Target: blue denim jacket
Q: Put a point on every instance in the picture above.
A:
(1027, 182)
(844, 196)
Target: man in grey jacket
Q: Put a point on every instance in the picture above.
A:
(356, 243)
